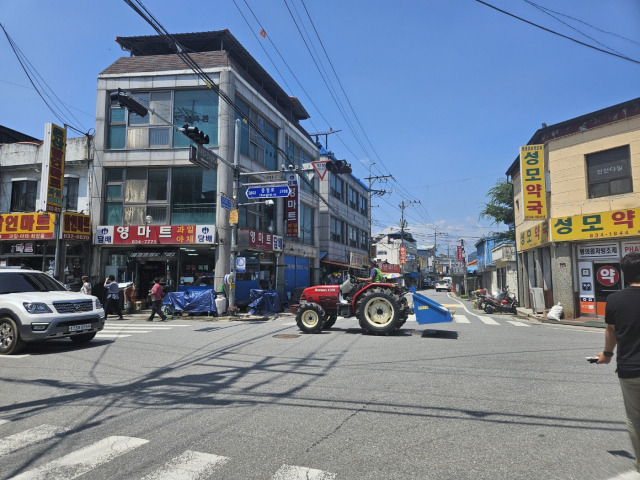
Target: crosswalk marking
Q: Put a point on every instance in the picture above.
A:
(29, 437)
(108, 335)
(190, 465)
(3, 421)
(84, 460)
(518, 324)
(488, 321)
(290, 472)
(461, 319)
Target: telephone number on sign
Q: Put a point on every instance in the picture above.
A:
(142, 242)
(621, 233)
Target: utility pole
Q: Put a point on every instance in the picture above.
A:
(464, 266)
(402, 224)
(374, 192)
(234, 229)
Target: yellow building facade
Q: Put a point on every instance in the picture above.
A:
(591, 198)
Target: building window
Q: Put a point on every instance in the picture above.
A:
(306, 224)
(336, 187)
(132, 194)
(252, 142)
(337, 230)
(23, 195)
(70, 193)
(354, 199)
(364, 206)
(364, 239)
(353, 236)
(609, 172)
(198, 108)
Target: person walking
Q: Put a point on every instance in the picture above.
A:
(113, 300)
(622, 316)
(156, 294)
(86, 285)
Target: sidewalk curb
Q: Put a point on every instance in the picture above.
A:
(241, 317)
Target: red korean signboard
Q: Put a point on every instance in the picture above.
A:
(403, 255)
(389, 268)
(292, 210)
(262, 241)
(154, 234)
(76, 226)
(26, 226)
(608, 276)
(459, 254)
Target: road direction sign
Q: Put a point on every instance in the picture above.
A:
(272, 191)
(225, 202)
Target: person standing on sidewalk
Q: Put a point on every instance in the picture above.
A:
(156, 294)
(112, 305)
(622, 316)
(86, 285)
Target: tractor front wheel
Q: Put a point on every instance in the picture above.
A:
(310, 318)
(379, 312)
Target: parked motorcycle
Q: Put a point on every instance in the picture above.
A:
(505, 302)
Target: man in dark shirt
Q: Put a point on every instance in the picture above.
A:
(622, 316)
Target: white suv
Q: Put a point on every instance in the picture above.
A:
(34, 307)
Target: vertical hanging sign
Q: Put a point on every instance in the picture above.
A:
(292, 210)
(55, 140)
(534, 197)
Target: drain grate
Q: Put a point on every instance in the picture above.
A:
(287, 335)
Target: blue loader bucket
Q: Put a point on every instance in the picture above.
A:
(428, 311)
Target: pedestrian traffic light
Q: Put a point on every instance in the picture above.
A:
(339, 166)
(126, 100)
(195, 135)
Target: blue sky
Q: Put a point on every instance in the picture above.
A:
(444, 92)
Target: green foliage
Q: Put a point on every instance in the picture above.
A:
(499, 208)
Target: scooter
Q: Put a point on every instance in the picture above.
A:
(505, 302)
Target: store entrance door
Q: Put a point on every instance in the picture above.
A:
(149, 271)
(608, 279)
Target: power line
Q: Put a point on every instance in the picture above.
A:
(624, 57)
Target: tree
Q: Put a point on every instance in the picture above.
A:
(499, 208)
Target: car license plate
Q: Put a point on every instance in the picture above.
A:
(76, 328)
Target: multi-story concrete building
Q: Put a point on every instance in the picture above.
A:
(27, 231)
(590, 209)
(344, 221)
(157, 214)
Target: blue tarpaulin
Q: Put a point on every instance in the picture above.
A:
(266, 301)
(191, 301)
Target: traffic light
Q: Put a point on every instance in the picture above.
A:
(125, 100)
(339, 166)
(195, 135)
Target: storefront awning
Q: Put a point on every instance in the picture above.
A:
(337, 263)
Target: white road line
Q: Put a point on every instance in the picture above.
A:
(518, 324)
(188, 466)
(13, 357)
(4, 421)
(84, 460)
(488, 321)
(110, 335)
(630, 475)
(290, 324)
(146, 325)
(461, 319)
(289, 472)
(29, 437)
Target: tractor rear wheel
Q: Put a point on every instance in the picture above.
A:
(310, 318)
(379, 312)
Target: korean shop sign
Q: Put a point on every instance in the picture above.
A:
(534, 198)
(535, 236)
(292, 207)
(53, 168)
(76, 226)
(618, 223)
(154, 234)
(26, 226)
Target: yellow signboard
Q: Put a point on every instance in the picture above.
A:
(617, 223)
(534, 197)
(26, 226)
(233, 216)
(534, 237)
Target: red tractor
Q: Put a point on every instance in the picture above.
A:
(381, 308)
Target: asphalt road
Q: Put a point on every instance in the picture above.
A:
(472, 399)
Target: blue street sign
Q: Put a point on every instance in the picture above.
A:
(268, 191)
(225, 202)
